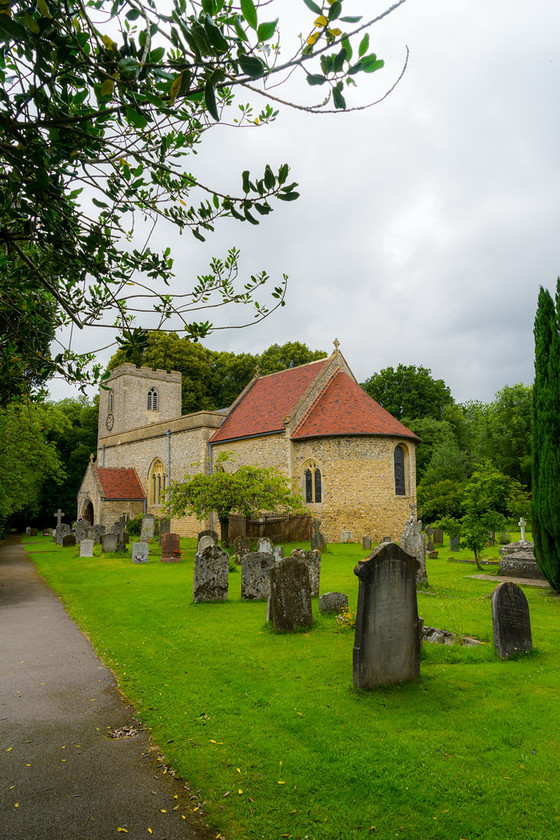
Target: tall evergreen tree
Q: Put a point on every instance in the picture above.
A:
(546, 436)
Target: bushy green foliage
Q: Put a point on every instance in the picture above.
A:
(409, 391)
(134, 526)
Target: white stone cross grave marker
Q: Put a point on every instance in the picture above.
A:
(59, 514)
(522, 525)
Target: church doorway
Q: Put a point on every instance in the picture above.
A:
(87, 512)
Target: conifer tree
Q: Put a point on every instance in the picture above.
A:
(546, 436)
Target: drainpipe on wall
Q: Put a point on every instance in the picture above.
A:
(211, 468)
(168, 433)
(103, 456)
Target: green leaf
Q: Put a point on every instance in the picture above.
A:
(157, 55)
(210, 99)
(338, 99)
(133, 14)
(339, 60)
(129, 67)
(315, 80)
(249, 12)
(43, 8)
(269, 179)
(238, 24)
(252, 66)
(246, 181)
(208, 6)
(335, 10)
(289, 196)
(351, 19)
(283, 173)
(326, 64)
(215, 36)
(135, 117)
(98, 203)
(347, 46)
(313, 6)
(370, 63)
(31, 23)
(364, 45)
(265, 31)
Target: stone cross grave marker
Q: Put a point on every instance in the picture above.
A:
(522, 524)
(387, 640)
(140, 552)
(510, 619)
(86, 548)
(211, 575)
(59, 514)
(289, 605)
(255, 575)
(147, 531)
(333, 602)
(170, 548)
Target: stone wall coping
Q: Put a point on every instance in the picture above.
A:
(145, 372)
(199, 419)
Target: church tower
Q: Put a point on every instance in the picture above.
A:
(134, 397)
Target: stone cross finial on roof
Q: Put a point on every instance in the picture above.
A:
(336, 343)
(91, 458)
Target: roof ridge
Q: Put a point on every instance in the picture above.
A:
(295, 367)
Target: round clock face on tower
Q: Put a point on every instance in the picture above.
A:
(109, 421)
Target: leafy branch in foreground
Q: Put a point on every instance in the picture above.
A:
(101, 102)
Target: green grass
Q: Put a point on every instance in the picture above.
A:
(470, 750)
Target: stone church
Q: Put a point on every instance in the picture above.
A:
(353, 461)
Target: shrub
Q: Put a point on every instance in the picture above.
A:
(134, 526)
(346, 620)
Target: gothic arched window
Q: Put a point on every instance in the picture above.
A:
(312, 483)
(399, 460)
(157, 483)
(153, 400)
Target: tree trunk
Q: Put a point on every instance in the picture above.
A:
(224, 530)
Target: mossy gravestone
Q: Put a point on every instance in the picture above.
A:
(255, 575)
(211, 570)
(387, 641)
(510, 617)
(290, 595)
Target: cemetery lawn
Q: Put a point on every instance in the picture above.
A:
(269, 729)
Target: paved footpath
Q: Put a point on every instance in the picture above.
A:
(61, 776)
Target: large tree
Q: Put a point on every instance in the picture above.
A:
(247, 491)
(408, 391)
(546, 436)
(103, 104)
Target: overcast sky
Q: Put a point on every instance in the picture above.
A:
(427, 223)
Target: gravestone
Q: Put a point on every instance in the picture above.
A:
(242, 546)
(96, 532)
(347, 536)
(170, 548)
(518, 560)
(59, 514)
(81, 530)
(148, 524)
(438, 536)
(313, 562)
(278, 552)
(60, 532)
(109, 543)
(208, 533)
(366, 543)
(264, 546)
(317, 539)
(413, 542)
(455, 542)
(522, 524)
(255, 575)
(333, 602)
(211, 572)
(204, 542)
(140, 552)
(510, 618)
(33, 532)
(429, 534)
(290, 595)
(387, 640)
(28, 531)
(86, 548)
(164, 527)
(68, 540)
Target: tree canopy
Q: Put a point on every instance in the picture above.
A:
(408, 391)
(247, 491)
(103, 104)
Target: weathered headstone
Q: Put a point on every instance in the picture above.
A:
(164, 527)
(33, 532)
(208, 533)
(278, 552)
(333, 602)
(86, 548)
(413, 542)
(366, 543)
(109, 543)
(313, 561)
(317, 539)
(140, 552)
(387, 640)
(241, 546)
(28, 531)
(264, 546)
(96, 532)
(255, 575)
(61, 531)
(290, 595)
(510, 618)
(170, 548)
(148, 524)
(204, 542)
(68, 540)
(211, 574)
(347, 536)
(430, 542)
(438, 536)
(454, 542)
(81, 530)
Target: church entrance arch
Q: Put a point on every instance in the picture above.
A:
(87, 512)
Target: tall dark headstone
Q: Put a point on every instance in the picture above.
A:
(170, 548)
(290, 595)
(387, 641)
(510, 618)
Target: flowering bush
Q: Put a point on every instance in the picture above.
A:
(346, 620)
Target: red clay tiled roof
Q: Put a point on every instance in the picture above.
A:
(264, 407)
(120, 483)
(345, 409)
